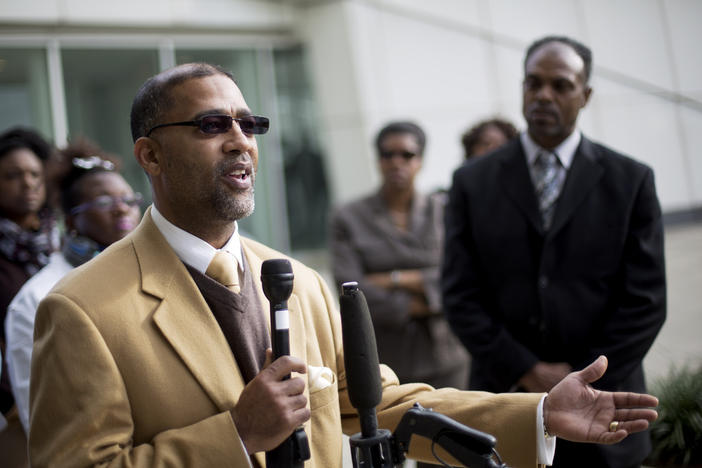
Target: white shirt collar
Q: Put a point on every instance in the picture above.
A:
(565, 151)
(191, 249)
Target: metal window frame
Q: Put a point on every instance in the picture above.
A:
(166, 45)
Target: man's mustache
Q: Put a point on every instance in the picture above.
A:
(541, 109)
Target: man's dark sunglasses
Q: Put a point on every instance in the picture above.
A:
(390, 154)
(222, 123)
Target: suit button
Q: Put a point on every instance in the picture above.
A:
(533, 321)
(543, 282)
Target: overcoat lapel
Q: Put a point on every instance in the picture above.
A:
(185, 319)
(582, 176)
(516, 181)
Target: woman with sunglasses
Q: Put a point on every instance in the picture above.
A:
(99, 208)
(390, 243)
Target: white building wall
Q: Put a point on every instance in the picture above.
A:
(447, 64)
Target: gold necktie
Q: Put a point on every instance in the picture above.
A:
(223, 269)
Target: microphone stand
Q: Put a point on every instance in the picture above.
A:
(472, 448)
(378, 448)
(277, 279)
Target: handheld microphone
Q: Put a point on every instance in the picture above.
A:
(277, 279)
(365, 390)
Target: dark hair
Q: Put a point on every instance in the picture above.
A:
(154, 97)
(81, 158)
(402, 127)
(581, 49)
(19, 137)
(473, 134)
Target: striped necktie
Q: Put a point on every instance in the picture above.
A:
(223, 269)
(546, 168)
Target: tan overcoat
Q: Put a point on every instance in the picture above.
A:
(130, 368)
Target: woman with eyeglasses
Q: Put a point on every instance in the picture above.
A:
(99, 208)
(390, 242)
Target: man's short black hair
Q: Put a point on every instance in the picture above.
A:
(19, 137)
(154, 97)
(401, 127)
(581, 49)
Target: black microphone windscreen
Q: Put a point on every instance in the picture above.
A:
(360, 351)
(277, 280)
(276, 266)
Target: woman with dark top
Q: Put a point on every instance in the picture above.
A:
(28, 233)
(390, 242)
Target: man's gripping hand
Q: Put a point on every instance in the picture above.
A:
(270, 408)
(575, 411)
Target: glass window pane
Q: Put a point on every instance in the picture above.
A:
(24, 90)
(305, 176)
(100, 86)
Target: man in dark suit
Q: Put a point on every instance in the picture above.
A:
(554, 252)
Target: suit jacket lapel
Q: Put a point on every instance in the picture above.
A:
(516, 182)
(582, 176)
(185, 319)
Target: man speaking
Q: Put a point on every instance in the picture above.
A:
(150, 355)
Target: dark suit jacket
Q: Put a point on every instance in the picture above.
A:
(593, 284)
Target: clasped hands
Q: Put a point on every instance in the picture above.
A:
(270, 408)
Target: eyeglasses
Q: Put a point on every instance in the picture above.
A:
(91, 162)
(107, 203)
(222, 123)
(407, 155)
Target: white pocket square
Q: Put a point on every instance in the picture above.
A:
(319, 378)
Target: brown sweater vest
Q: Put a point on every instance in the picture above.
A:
(240, 316)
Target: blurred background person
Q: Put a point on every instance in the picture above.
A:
(28, 235)
(390, 242)
(486, 136)
(28, 232)
(554, 253)
(99, 208)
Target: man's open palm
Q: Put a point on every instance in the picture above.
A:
(575, 411)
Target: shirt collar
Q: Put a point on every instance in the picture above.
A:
(565, 151)
(191, 249)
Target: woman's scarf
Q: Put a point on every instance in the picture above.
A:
(78, 249)
(29, 249)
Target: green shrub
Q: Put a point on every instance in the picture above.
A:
(677, 433)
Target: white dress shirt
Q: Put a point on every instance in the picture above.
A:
(191, 249)
(564, 152)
